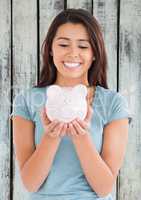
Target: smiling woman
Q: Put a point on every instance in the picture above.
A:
(79, 159)
(73, 32)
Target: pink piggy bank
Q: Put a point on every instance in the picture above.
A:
(66, 103)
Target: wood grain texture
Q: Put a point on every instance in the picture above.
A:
(106, 13)
(5, 93)
(24, 62)
(85, 4)
(48, 10)
(130, 86)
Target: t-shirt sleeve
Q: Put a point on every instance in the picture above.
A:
(118, 108)
(20, 107)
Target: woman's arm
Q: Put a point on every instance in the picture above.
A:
(101, 170)
(34, 163)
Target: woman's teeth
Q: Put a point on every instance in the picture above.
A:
(71, 65)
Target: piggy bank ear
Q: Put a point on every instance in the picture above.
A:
(53, 90)
(81, 89)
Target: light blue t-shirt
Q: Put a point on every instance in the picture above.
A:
(66, 180)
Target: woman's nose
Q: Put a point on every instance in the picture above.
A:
(74, 52)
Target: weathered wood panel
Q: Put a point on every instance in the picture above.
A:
(24, 62)
(5, 79)
(85, 4)
(106, 14)
(130, 86)
(48, 10)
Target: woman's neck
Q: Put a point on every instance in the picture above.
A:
(70, 83)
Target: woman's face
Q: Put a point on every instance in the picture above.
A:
(72, 54)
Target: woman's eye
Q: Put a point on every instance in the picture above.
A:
(63, 45)
(66, 45)
(83, 47)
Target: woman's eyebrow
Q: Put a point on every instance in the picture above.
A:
(65, 38)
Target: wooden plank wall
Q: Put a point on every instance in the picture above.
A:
(24, 66)
(130, 85)
(5, 98)
(23, 27)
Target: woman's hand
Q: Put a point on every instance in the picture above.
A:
(80, 127)
(53, 128)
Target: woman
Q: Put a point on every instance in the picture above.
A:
(79, 160)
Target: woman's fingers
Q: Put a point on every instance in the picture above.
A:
(57, 130)
(53, 128)
(64, 130)
(79, 129)
(50, 127)
(72, 130)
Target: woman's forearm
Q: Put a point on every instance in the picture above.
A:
(96, 171)
(37, 168)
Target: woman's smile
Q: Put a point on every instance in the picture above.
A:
(72, 64)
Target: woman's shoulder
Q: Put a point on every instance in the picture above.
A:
(32, 92)
(34, 89)
(106, 91)
(32, 96)
(26, 101)
(114, 103)
(108, 98)
(109, 94)
(35, 96)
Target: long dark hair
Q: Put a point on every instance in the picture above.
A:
(97, 73)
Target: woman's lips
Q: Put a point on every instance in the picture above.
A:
(72, 64)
